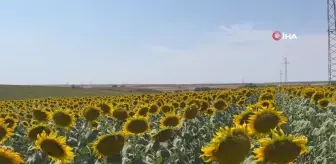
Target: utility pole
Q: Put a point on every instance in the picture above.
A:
(331, 41)
(286, 63)
(281, 77)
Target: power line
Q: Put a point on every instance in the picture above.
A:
(286, 63)
(281, 77)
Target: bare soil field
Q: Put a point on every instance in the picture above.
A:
(18, 92)
(185, 87)
(15, 92)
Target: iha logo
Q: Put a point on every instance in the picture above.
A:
(277, 35)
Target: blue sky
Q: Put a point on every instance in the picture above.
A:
(165, 41)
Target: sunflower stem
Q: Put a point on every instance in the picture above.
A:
(105, 160)
(134, 142)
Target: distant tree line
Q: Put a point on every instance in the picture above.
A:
(206, 89)
(76, 86)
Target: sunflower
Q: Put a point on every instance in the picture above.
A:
(323, 103)
(253, 107)
(11, 122)
(170, 120)
(55, 147)
(119, 114)
(103, 145)
(291, 97)
(25, 124)
(34, 131)
(34, 122)
(137, 125)
(182, 104)
(3, 115)
(333, 99)
(5, 132)
(105, 108)
(8, 156)
(243, 117)
(40, 115)
(308, 93)
(175, 104)
(266, 119)
(266, 96)
(164, 134)
(167, 108)
(91, 113)
(267, 103)
(93, 124)
(190, 112)
(131, 113)
(317, 96)
(220, 104)
(204, 106)
(143, 110)
(29, 116)
(210, 112)
(229, 146)
(281, 148)
(240, 102)
(153, 109)
(63, 118)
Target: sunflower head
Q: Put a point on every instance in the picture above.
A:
(137, 125)
(120, 114)
(281, 148)
(308, 93)
(266, 96)
(25, 124)
(102, 146)
(164, 134)
(40, 115)
(240, 102)
(267, 103)
(153, 109)
(63, 118)
(323, 103)
(10, 157)
(105, 108)
(143, 110)
(93, 124)
(266, 119)
(54, 147)
(204, 106)
(5, 132)
(220, 104)
(210, 112)
(243, 117)
(34, 122)
(318, 95)
(11, 122)
(253, 107)
(170, 120)
(28, 116)
(34, 131)
(230, 145)
(91, 113)
(190, 112)
(167, 108)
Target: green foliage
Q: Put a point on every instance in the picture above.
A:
(318, 125)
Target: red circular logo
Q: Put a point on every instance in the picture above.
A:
(276, 35)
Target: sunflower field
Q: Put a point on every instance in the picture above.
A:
(290, 124)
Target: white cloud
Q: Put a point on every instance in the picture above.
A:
(240, 51)
(224, 57)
